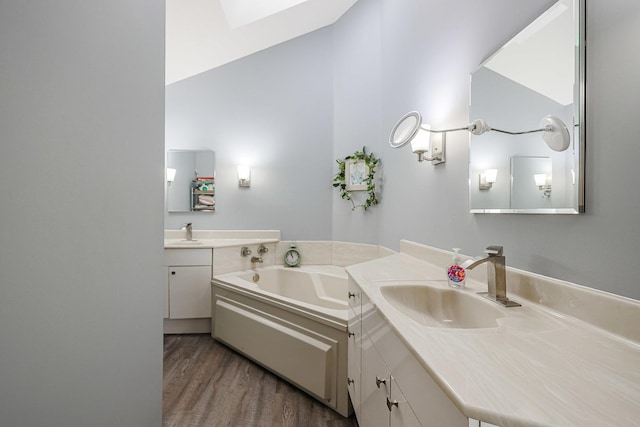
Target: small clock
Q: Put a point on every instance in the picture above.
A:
(292, 257)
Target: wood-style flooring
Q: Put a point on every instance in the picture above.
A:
(206, 383)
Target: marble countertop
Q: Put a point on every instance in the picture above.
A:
(212, 243)
(208, 239)
(538, 367)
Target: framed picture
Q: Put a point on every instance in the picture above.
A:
(356, 175)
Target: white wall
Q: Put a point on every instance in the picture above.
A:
(81, 154)
(274, 111)
(427, 53)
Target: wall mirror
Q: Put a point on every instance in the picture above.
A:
(539, 72)
(190, 181)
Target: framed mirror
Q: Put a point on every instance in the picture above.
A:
(191, 181)
(539, 72)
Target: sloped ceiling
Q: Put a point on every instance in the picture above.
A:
(542, 56)
(204, 34)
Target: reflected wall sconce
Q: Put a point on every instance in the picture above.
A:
(488, 178)
(543, 181)
(244, 176)
(171, 175)
(410, 128)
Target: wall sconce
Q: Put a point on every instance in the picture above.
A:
(410, 127)
(171, 175)
(543, 181)
(487, 178)
(244, 176)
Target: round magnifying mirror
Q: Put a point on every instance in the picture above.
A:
(557, 138)
(406, 128)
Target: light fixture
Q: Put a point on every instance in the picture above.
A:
(488, 178)
(171, 175)
(244, 176)
(543, 181)
(410, 128)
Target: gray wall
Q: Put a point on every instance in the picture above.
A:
(274, 111)
(427, 53)
(81, 154)
(389, 57)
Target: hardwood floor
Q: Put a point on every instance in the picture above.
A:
(207, 384)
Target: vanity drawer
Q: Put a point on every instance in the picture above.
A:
(187, 257)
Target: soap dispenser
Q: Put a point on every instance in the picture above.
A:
(456, 274)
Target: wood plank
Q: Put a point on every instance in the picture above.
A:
(206, 383)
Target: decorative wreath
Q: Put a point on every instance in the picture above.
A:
(340, 179)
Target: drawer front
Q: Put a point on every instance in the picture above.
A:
(187, 257)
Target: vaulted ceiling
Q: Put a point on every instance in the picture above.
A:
(204, 34)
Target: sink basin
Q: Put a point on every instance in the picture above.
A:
(182, 242)
(443, 308)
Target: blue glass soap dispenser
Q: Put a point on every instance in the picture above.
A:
(456, 274)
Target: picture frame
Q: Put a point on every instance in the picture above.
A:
(357, 175)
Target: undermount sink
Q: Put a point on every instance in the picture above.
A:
(183, 242)
(443, 308)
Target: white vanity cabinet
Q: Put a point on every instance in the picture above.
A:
(395, 389)
(188, 290)
(476, 423)
(383, 403)
(354, 344)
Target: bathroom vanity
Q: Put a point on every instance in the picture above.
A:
(568, 356)
(190, 266)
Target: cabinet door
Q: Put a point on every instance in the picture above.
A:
(165, 297)
(401, 413)
(354, 359)
(374, 387)
(189, 292)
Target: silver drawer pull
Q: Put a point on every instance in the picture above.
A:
(380, 381)
(350, 334)
(351, 294)
(391, 404)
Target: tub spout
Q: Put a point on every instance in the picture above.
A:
(256, 259)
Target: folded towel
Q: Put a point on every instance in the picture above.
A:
(206, 200)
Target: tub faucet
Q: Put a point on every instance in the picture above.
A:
(188, 231)
(496, 275)
(256, 259)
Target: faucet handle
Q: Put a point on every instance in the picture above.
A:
(493, 250)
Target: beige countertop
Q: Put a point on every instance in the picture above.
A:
(212, 243)
(538, 367)
(208, 239)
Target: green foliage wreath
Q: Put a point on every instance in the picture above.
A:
(340, 179)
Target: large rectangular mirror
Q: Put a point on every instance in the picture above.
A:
(540, 72)
(191, 181)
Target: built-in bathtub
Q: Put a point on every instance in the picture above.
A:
(293, 321)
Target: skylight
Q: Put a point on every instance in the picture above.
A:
(243, 12)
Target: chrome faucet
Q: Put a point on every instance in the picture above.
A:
(256, 259)
(496, 275)
(188, 231)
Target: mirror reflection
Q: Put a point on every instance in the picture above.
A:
(537, 73)
(190, 181)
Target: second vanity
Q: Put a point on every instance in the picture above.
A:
(568, 357)
(191, 263)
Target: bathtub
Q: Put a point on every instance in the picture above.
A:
(293, 321)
